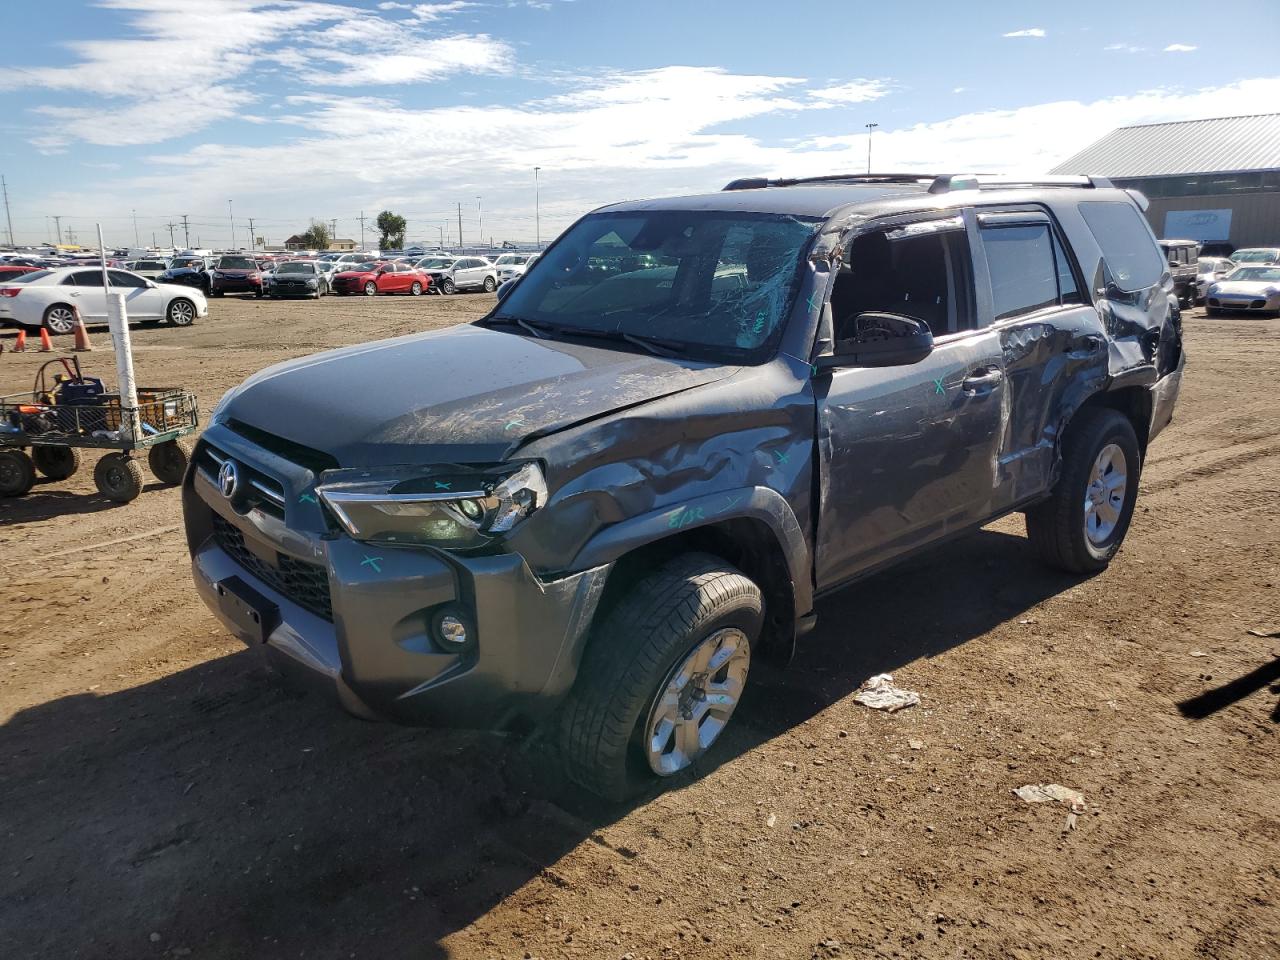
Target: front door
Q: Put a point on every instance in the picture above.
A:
(141, 302)
(908, 454)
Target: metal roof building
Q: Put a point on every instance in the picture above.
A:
(1216, 181)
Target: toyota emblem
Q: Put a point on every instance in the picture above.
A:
(228, 479)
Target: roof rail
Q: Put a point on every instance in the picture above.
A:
(938, 183)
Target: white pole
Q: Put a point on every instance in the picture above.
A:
(118, 319)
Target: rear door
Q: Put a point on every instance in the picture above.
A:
(1051, 340)
(87, 294)
(908, 454)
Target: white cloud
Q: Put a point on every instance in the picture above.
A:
(426, 12)
(1179, 48)
(959, 89)
(855, 91)
(1123, 48)
(1029, 32)
(180, 113)
(399, 58)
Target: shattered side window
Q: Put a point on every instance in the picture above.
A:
(1131, 255)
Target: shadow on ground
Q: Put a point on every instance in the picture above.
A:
(235, 818)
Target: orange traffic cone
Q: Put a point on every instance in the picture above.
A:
(21, 345)
(46, 345)
(82, 335)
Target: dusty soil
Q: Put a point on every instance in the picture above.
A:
(162, 795)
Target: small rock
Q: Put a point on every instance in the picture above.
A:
(773, 819)
(155, 938)
(915, 744)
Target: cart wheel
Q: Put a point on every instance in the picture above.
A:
(168, 460)
(118, 477)
(56, 463)
(17, 473)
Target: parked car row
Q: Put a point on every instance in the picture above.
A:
(1248, 280)
(52, 298)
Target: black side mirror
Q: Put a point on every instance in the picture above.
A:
(879, 340)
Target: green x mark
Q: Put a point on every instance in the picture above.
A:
(444, 486)
(514, 423)
(937, 385)
(812, 298)
(782, 457)
(372, 562)
(307, 498)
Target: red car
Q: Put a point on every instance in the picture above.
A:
(372, 279)
(8, 271)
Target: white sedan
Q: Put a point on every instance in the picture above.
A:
(49, 299)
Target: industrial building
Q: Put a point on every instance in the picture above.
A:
(1216, 181)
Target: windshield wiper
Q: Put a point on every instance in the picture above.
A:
(535, 328)
(657, 346)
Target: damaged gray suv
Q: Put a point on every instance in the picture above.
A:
(602, 502)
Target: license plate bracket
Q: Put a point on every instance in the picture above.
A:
(253, 614)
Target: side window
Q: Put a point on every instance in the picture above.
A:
(1023, 273)
(916, 274)
(1132, 258)
(86, 278)
(1068, 289)
(121, 279)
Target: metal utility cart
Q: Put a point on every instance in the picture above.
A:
(57, 420)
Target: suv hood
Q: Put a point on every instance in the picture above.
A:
(463, 395)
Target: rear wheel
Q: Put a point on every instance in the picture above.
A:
(118, 477)
(56, 463)
(665, 671)
(181, 313)
(168, 460)
(17, 473)
(60, 319)
(1081, 526)
(490, 284)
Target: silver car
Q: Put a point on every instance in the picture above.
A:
(451, 274)
(1252, 288)
(1209, 270)
(513, 265)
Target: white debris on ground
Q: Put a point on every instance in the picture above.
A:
(1051, 793)
(879, 693)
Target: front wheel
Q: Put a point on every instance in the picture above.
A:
(490, 284)
(181, 313)
(664, 672)
(416, 289)
(448, 287)
(1081, 526)
(370, 289)
(1212, 312)
(118, 478)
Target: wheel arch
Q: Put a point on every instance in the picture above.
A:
(1134, 403)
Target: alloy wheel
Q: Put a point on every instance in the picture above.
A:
(1104, 496)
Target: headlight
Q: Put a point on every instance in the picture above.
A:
(452, 510)
(312, 283)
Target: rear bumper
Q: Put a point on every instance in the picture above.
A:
(374, 647)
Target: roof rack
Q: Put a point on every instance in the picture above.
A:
(938, 183)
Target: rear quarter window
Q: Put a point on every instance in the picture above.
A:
(1133, 259)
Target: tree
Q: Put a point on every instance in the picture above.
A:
(393, 227)
(316, 236)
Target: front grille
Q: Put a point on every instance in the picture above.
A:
(306, 584)
(261, 491)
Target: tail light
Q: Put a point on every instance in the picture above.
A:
(10, 291)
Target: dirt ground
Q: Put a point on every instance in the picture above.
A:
(162, 795)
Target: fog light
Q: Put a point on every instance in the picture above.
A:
(452, 631)
(472, 509)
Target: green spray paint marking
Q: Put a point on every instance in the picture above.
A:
(731, 502)
(812, 297)
(685, 516)
(759, 324)
(782, 457)
(444, 486)
(937, 385)
(513, 424)
(307, 498)
(372, 562)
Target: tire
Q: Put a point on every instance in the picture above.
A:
(219, 293)
(416, 289)
(118, 477)
(1063, 532)
(663, 622)
(181, 312)
(17, 473)
(370, 289)
(60, 319)
(448, 287)
(1212, 312)
(168, 461)
(490, 284)
(56, 463)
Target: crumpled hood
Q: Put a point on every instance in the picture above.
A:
(465, 394)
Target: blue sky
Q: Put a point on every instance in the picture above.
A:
(296, 109)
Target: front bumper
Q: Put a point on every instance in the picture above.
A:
(290, 290)
(236, 285)
(1245, 302)
(359, 620)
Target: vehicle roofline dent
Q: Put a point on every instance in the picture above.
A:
(762, 504)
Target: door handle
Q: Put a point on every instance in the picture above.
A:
(984, 379)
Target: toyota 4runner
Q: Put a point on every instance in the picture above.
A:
(691, 417)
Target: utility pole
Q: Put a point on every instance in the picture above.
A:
(537, 206)
(362, 218)
(57, 225)
(71, 237)
(480, 217)
(153, 240)
(459, 225)
(333, 231)
(441, 229)
(186, 232)
(870, 127)
(7, 216)
(136, 242)
(233, 224)
(172, 227)
(253, 243)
